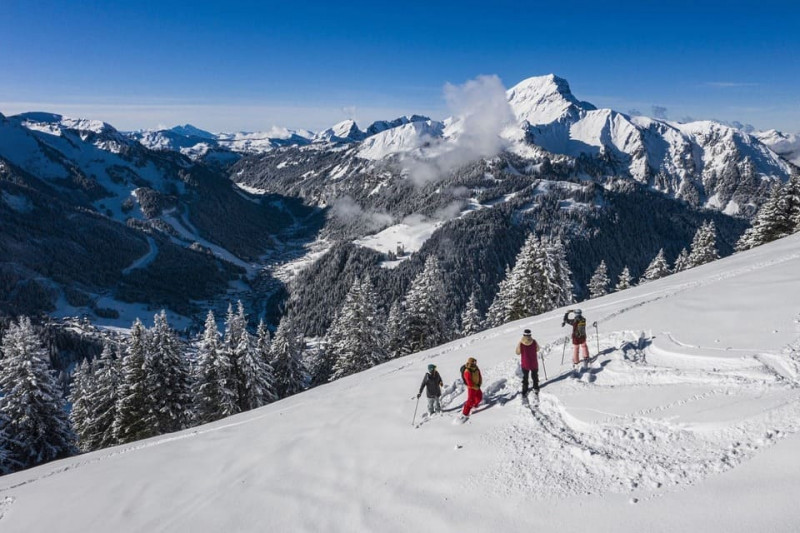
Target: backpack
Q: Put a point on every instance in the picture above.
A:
(580, 328)
(463, 368)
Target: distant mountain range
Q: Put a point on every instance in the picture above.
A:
(94, 222)
(117, 224)
(705, 163)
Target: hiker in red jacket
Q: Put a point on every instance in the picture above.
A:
(527, 350)
(473, 380)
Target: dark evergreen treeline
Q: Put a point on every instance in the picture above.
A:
(147, 384)
(778, 217)
(621, 224)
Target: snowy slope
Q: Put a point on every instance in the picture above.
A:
(59, 149)
(691, 424)
(401, 139)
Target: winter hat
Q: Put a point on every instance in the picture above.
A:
(578, 312)
(527, 333)
(471, 361)
(431, 367)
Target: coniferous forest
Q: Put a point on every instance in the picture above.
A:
(153, 382)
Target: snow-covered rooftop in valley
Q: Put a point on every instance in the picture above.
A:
(687, 420)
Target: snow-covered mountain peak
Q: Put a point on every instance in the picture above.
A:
(344, 131)
(544, 99)
(400, 139)
(192, 131)
(382, 125)
(53, 123)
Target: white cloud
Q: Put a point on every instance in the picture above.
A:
(480, 111)
(347, 210)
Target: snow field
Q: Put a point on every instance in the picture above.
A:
(691, 423)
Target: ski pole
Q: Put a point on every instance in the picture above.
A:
(564, 351)
(415, 411)
(544, 369)
(597, 336)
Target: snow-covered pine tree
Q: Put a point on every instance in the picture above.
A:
(558, 276)
(215, 392)
(255, 373)
(81, 414)
(424, 310)
(104, 397)
(133, 406)
(167, 379)
(37, 426)
(6, 465)
(681, 262)
(704, 245)
(396, 326)
(793, 199)
(238, 343)
(599, 282)
(263, 343)
(499, 311)
(624, 281)
(290, 375)
(471, 322)
(777, 218)
(657, 269)
(263, 337)
(355, 339)
(529, 290)
(773, 221)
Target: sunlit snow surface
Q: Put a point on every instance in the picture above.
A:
(690, 424)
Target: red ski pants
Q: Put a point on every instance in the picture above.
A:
(474, 397)
(575, 347)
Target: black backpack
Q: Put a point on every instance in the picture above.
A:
(463, 368)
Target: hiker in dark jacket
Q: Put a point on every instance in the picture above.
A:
(432, 382)
(527, 350)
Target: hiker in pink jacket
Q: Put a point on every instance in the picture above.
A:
(528, 349)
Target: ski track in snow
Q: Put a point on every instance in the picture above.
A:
(5, 505)
(550, 453)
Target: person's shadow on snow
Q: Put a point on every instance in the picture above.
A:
(592, 372)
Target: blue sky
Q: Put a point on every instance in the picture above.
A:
(251, 65)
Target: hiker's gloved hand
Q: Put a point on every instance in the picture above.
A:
(418, 395)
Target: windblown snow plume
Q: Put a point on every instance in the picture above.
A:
(480, 111)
